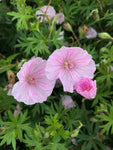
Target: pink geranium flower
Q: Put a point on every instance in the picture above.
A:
(48, 11)
(86, 87)
(70, 64)
(86, 32)
(18, 111)
(60, 18)
(67, 101)
(9, 88)
(91, 33)
(74, 142)
(61, 35)
(33, 85)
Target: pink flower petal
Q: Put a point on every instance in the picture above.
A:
(91, 33)
(65, 77)
(33, 86)
(48, 11)
(88, 70)
(20, 93)
(67, 101)
(60, 18)
(69, 64)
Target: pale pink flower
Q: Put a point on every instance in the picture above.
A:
(9, 88)
(48, 12)
(108, 148)
(70, 64)
(91, 33)
(67, 101)
(86, 87)
(61, 35)
(111, 68)
(18, 111)
(60, 18)
(74, 142)
(33, 85)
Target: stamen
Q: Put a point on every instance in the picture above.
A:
(89, 88)
(30, 79)
(68, 65)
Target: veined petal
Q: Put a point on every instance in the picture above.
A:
(67, 81)
(21, 93)
(87, 71)
(36, 94)
(82, 58)
(33, 86)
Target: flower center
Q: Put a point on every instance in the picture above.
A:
(68, 65)
(30, 80)
(89, 88)
(86, 87)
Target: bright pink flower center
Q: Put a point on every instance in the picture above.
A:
(30, 79)
(86, 87)
(68, 65)
(89, 88)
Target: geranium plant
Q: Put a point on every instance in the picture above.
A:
(56, 75)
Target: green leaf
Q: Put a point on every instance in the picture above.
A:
(33, 43)
(23, 15)
(14, 129)
(6, 102)
(107, 118)
(5, 64)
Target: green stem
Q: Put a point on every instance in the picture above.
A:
(51, 29)
(100, 19)
(83, 102)
(76, 38)
(47, 9)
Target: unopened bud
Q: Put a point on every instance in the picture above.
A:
(21, 63)
(75, 133)
(62, 6)
(46, 135)
(93, 119)
(101, 136)
(68, 27)
(96, 16)
(82, 32)
(103, 49)
(104, 35)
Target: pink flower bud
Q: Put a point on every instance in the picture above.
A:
(86, 87)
